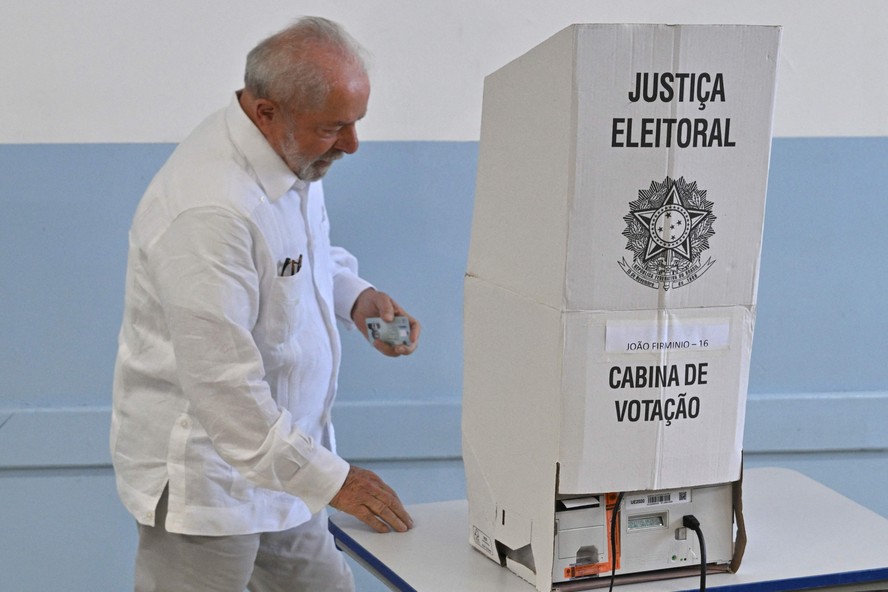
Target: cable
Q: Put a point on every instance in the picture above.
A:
(690, 521)
(613, 541)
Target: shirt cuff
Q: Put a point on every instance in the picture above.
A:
(320, 480)
(348, 288)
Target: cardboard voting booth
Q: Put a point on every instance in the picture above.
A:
(610, 296)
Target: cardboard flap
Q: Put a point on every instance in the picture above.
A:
(740, 541)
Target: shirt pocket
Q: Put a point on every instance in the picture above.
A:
(287, 293)
(282, 353)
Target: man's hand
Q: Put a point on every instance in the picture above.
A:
(371, 303)
(365, 496)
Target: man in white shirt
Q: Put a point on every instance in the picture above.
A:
(221, 437)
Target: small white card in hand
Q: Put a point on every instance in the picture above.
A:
(395, 333)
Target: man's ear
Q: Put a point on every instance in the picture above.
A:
(265, 113)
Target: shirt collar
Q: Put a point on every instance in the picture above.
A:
(274, 175)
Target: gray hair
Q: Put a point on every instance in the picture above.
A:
(282, 69)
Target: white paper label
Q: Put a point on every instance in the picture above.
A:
(667, 335)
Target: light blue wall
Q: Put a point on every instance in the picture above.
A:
(405, 209)
(822, 322)
(819, 381)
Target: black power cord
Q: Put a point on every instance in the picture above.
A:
(613, 541)
(690, 521)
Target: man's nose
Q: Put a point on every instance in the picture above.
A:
(348, 139)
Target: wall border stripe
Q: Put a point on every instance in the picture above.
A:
(77, 437)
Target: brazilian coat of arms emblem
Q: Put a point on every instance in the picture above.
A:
(668, 228)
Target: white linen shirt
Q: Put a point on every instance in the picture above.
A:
(226, 370)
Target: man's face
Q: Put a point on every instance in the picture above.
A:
(310, 141)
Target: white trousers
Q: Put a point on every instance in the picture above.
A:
(302, 559)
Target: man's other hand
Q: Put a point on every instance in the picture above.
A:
(365, 496)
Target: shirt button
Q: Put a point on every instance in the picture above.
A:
(184, 423)
(149, 516)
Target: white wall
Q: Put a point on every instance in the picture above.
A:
(135, 71)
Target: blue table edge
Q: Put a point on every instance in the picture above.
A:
(368, 559)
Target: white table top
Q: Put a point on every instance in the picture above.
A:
(801, 535)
